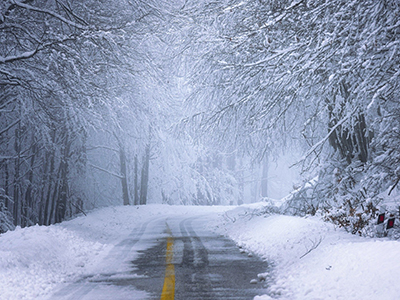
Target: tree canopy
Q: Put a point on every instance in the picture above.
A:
(184, 102)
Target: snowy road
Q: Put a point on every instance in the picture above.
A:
(139, 252)
(171, 258)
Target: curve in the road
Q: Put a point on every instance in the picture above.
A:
(182, 261)
(206, 265)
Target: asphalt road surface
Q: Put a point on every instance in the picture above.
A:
(172, 258)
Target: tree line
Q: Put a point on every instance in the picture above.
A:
(68, 75)
(93, 98)
(322, 76)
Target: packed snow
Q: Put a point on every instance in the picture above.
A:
(309, 259)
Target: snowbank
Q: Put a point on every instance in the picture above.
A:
(313, 260)
(34, 260)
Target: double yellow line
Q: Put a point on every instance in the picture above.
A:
(168, 291)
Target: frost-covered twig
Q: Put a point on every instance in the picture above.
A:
(78, 208)
(394, 185)
(30, 54)
(232, 219)
(314, 246)
(10, 126)
(106, 171)
(49, 12)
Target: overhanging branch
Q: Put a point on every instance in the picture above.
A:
(49, 12)
(321, 142)
(107, 171)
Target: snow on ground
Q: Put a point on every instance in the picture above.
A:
(314, 260)
(34, 260)
(310, 259)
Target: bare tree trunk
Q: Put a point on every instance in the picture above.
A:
(361, 138)
(28, 205)
(49, 181)
(136, 182)
(349, 142)
(124, 180)
(16, 183)
(145, 176)
(241, 182)
(50, 155)
(45, 180)
(61, 205)
(6, 183)
(5, 162)
(264, 179)
(54, 197)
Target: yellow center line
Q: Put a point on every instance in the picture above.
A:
(168, 291)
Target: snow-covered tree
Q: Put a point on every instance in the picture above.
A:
(324, 73)
(67, 70)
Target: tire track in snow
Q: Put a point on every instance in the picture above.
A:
(193, 281)
(87, 284)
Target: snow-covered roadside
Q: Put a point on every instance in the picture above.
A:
(313, 260)
(34, 260)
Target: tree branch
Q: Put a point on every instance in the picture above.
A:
(394, 185)
(10, 126)
(11, 58)
(106, 171)
(49, 12)
(78, 208)
(314, 246)
(102, 147)
(321, 142)
(29, 54)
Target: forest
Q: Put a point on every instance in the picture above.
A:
(191, 102)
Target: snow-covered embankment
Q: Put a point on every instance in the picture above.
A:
(313, 259)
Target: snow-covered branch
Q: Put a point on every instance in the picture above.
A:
(321, 142)
(10, 126)
(11, 58)
(49, 12)
(102, 147)
(30, 54)
(106, 171)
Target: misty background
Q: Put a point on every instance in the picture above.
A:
(197, 102)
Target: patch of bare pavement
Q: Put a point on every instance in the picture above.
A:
(182, 260)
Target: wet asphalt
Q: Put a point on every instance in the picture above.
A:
(207, 266)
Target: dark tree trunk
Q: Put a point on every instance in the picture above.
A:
(6, 183)
(28, 204)
(54, 197)
(16, 183)
(145, 176)
(361, 138)
(264, 179)
(241, 183)
(124, 180)
(49, 181)
(61, 206)
(45, 180)
(136, 183)
(349, 142)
